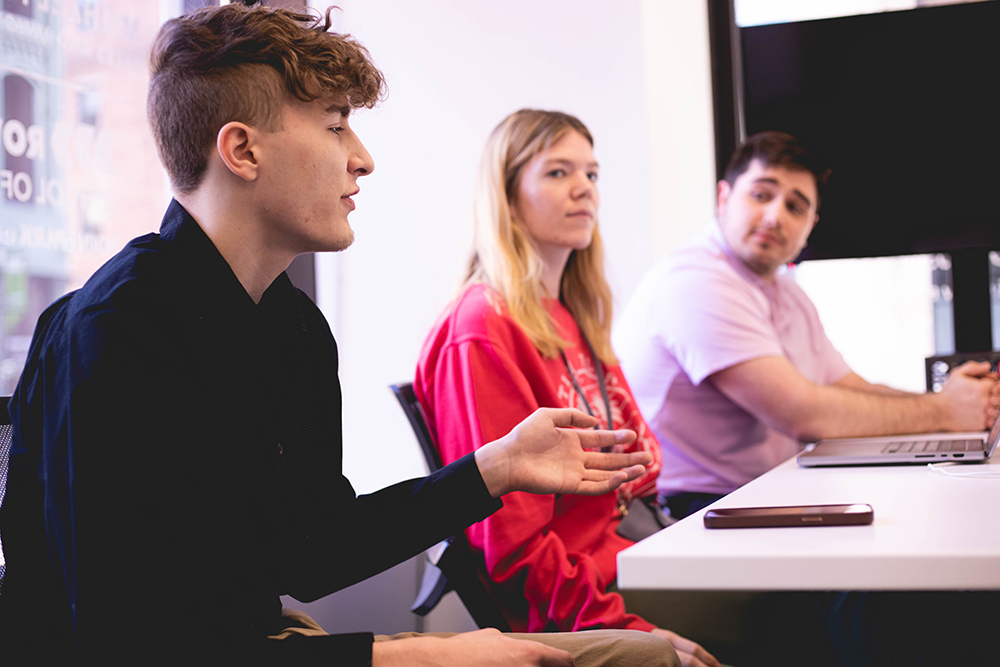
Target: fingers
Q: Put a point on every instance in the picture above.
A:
(616, 461)
(688, 660)
(592, 439)
(692, 654)
(599, 488)
(704, 657)
(633, 471)
(973, 368)
(556, 658)
(568, 417)
(596, 482)
(629, 473)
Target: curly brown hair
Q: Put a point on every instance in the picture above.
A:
(236, 63)
(778, 149)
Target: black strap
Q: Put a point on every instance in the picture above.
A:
(600, 380)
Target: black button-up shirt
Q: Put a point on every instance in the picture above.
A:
(176, 466)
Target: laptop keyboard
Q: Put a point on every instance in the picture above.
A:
(933, 446)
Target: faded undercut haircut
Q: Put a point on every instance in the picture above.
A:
(504, 255)
(778, 149)
(236, 63)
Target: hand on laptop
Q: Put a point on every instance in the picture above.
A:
(993, 409)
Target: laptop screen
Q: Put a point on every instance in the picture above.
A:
(993, 438)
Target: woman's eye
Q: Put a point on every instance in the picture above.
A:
(556, 173)
(336, 130)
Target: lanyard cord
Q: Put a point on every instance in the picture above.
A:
(621, 501)
(600, 380)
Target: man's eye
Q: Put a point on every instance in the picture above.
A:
(592, 176)
(759, 195)
(336, 130)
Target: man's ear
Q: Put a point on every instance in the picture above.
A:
(235, 144)
(722, 191)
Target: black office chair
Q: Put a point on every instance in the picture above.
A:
(451, 564)
(5, 435)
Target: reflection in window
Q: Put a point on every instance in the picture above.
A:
(79, 175)
(17, 7)
(22, 138)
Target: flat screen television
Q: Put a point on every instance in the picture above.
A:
(905, 106)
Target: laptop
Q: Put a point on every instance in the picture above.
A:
(922, 448)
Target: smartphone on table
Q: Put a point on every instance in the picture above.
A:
(856, 514)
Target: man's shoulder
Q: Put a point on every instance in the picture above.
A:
(703, 256)
(795, 295)
(786, 281)
(130, 279)
(127, 282)
(697, 270)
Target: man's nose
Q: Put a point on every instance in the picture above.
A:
(773, 213)
(360, 161)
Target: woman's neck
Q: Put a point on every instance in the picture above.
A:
(554, 262)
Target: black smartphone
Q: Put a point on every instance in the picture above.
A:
(857, 514)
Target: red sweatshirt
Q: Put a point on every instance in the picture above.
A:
(478, 376)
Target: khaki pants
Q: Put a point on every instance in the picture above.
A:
(592, 648)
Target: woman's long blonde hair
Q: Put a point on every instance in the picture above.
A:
(504, 255)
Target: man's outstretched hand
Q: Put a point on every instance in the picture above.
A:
(557, 451)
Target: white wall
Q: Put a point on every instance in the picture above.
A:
(681, 149)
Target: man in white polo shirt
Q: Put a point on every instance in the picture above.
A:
(726, 355)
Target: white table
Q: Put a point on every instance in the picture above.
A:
(931, 532)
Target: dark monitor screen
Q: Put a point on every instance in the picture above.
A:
(904, 104)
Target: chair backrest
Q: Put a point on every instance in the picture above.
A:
(5, 434)
(464, 569)
(418, 421)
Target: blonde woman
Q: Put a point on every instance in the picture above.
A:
(530, 329)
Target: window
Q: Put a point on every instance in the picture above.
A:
(79, 174)
(884, 314)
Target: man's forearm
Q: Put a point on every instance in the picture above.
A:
(858, 383)
(777, 394)
(843, 412)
